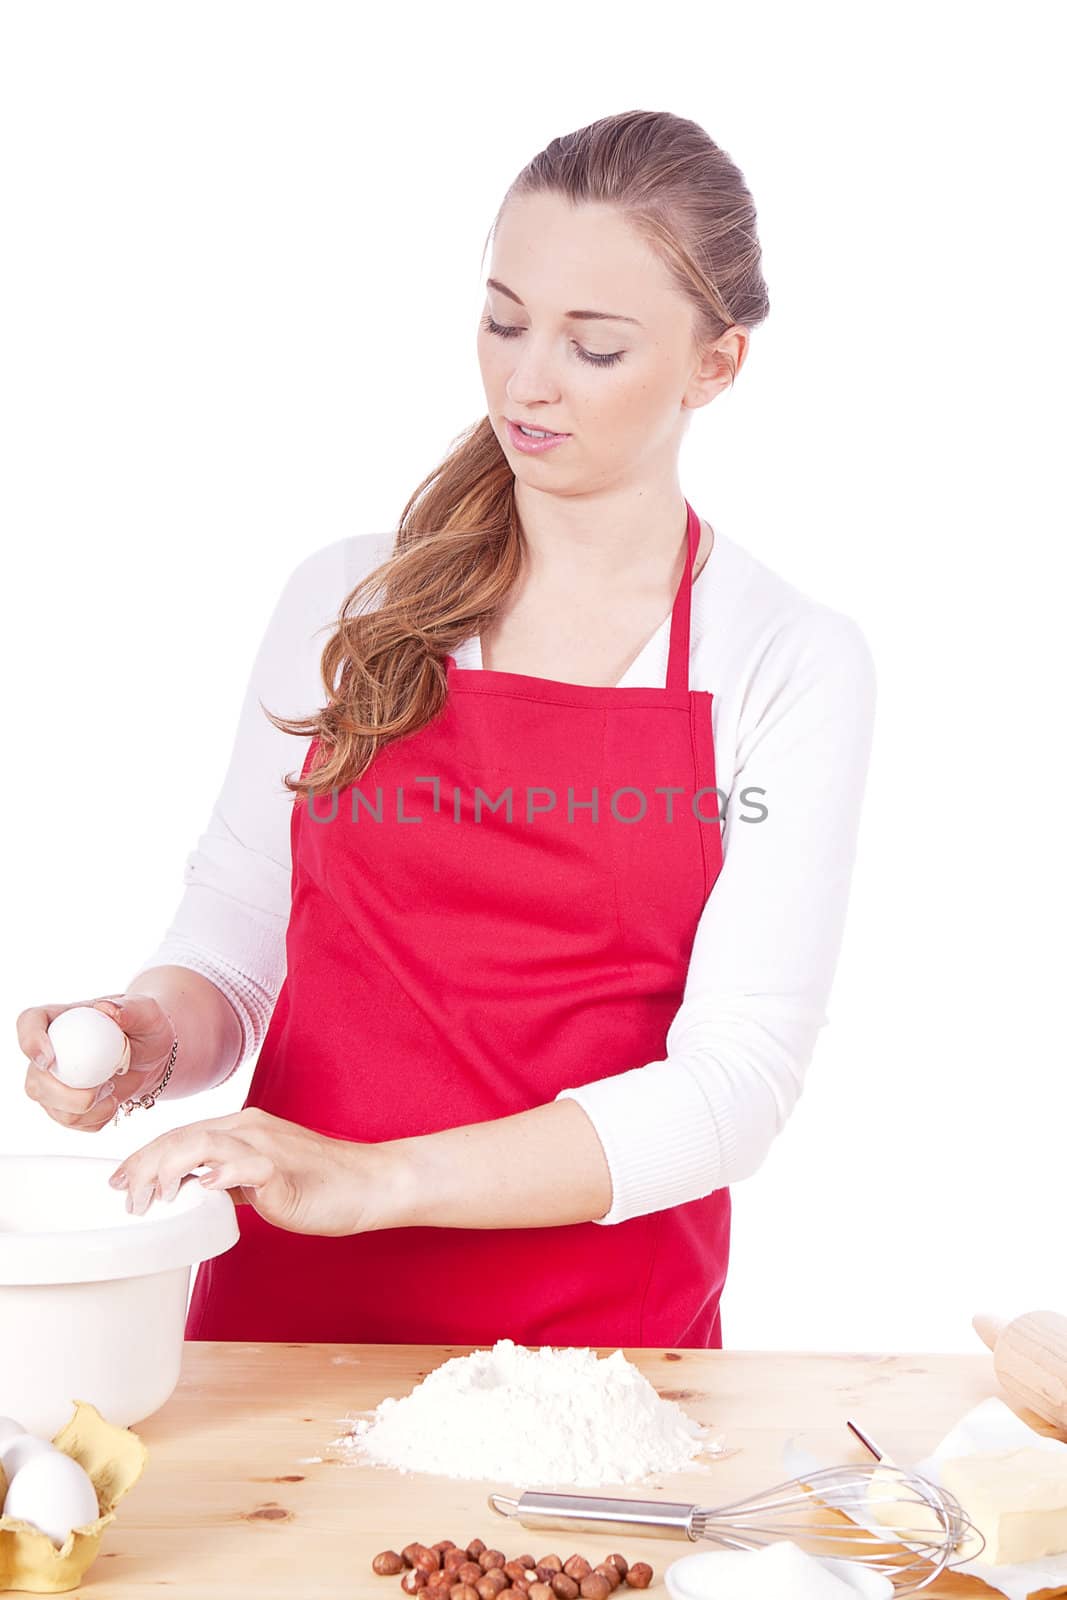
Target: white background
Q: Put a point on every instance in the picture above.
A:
(241, 280)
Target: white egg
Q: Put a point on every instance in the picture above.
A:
(90, 1047)
(54, 1493)
(17, 1451)
(9, 1429)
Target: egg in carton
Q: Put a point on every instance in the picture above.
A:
(114, 1458)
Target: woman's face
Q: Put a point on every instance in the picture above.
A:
(623, 390)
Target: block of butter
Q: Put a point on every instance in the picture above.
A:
(1016, 1498)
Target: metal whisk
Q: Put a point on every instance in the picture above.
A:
(928, 1523)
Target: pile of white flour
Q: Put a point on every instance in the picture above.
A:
(526, 1417)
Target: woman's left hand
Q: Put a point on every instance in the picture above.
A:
(298, 1180)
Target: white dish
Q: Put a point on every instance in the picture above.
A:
(737, 1575)
(93, 1298)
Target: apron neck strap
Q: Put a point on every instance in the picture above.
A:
(678, 655)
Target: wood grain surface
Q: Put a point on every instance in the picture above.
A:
(229, 1506)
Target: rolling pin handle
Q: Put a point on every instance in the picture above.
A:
(989, 1328)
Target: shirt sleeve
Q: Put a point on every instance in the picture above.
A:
(230, 922)
(767, 942)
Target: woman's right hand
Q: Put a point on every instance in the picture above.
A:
(151, 1035)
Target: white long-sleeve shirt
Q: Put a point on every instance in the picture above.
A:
(792, 717)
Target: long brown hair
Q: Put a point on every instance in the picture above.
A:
(458, 548)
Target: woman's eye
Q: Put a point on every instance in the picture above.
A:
(503, 331)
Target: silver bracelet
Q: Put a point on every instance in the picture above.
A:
(148, 1100)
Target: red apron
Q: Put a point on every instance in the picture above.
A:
(449, 963)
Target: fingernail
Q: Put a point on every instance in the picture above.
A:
(43, 1060)
(101, 1094)
(118, 1180)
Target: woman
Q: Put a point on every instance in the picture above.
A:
(560, 896)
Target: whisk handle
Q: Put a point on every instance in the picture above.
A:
(593, 1513)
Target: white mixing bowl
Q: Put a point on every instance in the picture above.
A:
(92, 1298)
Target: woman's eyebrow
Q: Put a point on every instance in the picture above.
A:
(599, 316)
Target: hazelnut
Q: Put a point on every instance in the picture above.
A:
(475, 1548)
(540, 1591)
(454, 1558)
(577, 1567)
(490, 1559)
(545, 1573)
(442, 1545)
(609, 1570)
(387, 1563)
(514, 1569)
(408, 1552)
(594, 1586)
(498, 1578)
(511, 1594)
(564, 1587)
(640, 1575)
(426, 1560)
(413, 1580)
(463, 1591)
(469, 1572)
(621, 1563)
(487, 1587)
(526, 1561)
(550, 1561)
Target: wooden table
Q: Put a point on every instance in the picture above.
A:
(227, 1507)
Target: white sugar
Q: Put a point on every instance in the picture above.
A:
(779, 1569)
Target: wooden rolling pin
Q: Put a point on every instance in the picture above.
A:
(1030, 1359)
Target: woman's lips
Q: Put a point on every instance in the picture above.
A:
(531, 446)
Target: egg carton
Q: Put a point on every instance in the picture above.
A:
(114, 1459)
